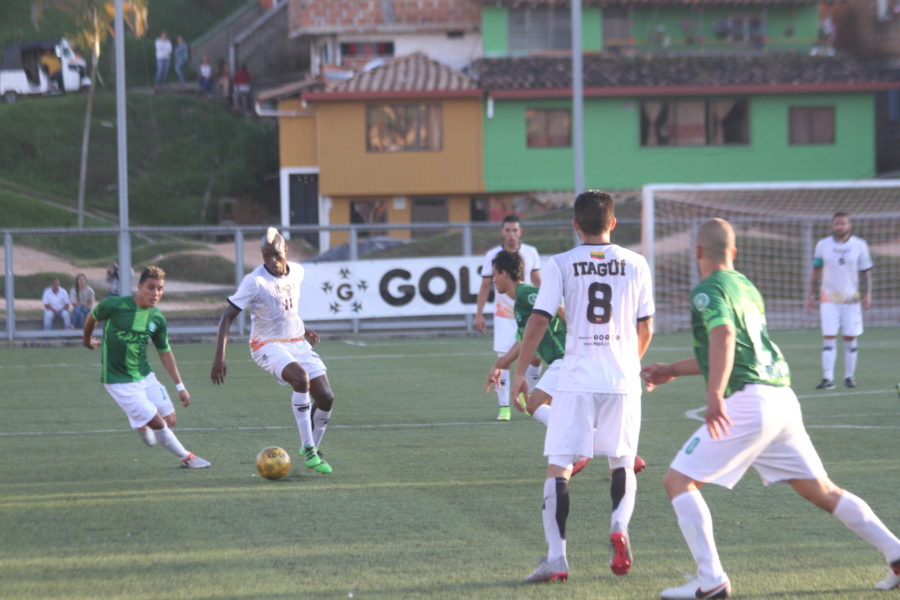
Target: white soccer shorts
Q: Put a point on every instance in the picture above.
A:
(504, 334)
(584, 424)
(547, 383)
(846, 317)
(768, 434)
(141, 400)
(275, 356)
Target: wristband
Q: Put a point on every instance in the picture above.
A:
(180, 387)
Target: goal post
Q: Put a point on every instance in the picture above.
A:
(777, 226)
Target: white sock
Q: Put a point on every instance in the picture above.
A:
(542, 414)
(167, 439)
(856, 514)
(829, 354)
(320, 423)
(503, 388)
(696, 525)
(554, 514)
(850, 358)
(300, 406)
(622, 513)
(532, 376)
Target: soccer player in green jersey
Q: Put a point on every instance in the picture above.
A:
(508, 279)
(753, 419)
(132, 322)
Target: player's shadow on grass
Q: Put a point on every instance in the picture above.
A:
(803, 593)
(461, 588)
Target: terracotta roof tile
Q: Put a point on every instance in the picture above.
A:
(533, 73)
(412, 73)
(642, 3)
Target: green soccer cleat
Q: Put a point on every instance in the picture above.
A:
(312, 460)
(504, 414)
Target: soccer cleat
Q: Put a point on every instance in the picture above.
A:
(504, 414)
(192, 461)
(892, 579)
(147, 435)
(693, 589)
(620, 547)
(313, 460)
(578, 466)
(850, 382)
(826, 384)
(555, 570)
(639, 464)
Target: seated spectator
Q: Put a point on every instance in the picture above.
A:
(82, 297)
(53, 67)
(56, 304)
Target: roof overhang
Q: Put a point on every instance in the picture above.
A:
(693, 90)
(393, 95)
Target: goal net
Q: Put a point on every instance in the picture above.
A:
(777, 227)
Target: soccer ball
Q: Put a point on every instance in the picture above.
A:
(273, 462)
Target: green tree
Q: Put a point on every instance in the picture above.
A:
(93, 20)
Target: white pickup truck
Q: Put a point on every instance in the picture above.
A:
(21, 71)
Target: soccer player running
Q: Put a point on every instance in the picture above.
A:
(280, 344)
(504, 320)
(753, 419)
(597, 401)
(130, 323)
(837, 261)
(508, 280)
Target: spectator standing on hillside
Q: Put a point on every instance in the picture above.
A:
(56, 304)
(223, 83)
(206, 77)
(82, 298)
(163, 55)
(182, 52)
(242, 89)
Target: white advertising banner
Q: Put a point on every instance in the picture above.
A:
(398, 287)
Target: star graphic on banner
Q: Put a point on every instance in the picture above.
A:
(357, 306)
(335, 307)
(345, 273)
(362, 285)
(326, 287)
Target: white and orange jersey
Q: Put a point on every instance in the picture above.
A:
(841, 263)
(274, 305)
(607, 289)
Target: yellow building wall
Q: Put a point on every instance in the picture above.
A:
(458, 208)
(347, 169)
(296, 137)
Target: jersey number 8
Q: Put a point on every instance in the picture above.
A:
(599, 308)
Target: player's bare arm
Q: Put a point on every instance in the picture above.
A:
(219, 369)
(811, 286)
(480, 301)
(657, 374)
(168, 362)
(536, 278)
(311, 336)
(867, 296)
(87, 338)
(534, 332)
(645, 335)
(493, 377)
(721, 363)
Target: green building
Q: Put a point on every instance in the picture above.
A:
(675, 91)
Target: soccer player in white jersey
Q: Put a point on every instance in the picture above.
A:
(504, 319)
(752, 419)
(838, 261)
(280, 344)
(597, 401)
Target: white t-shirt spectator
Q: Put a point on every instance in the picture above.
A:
(57, 301)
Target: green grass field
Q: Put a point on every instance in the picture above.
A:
(430, 498)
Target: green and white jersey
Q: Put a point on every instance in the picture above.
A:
(553, 344)
(125, 336)
(729, 298)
